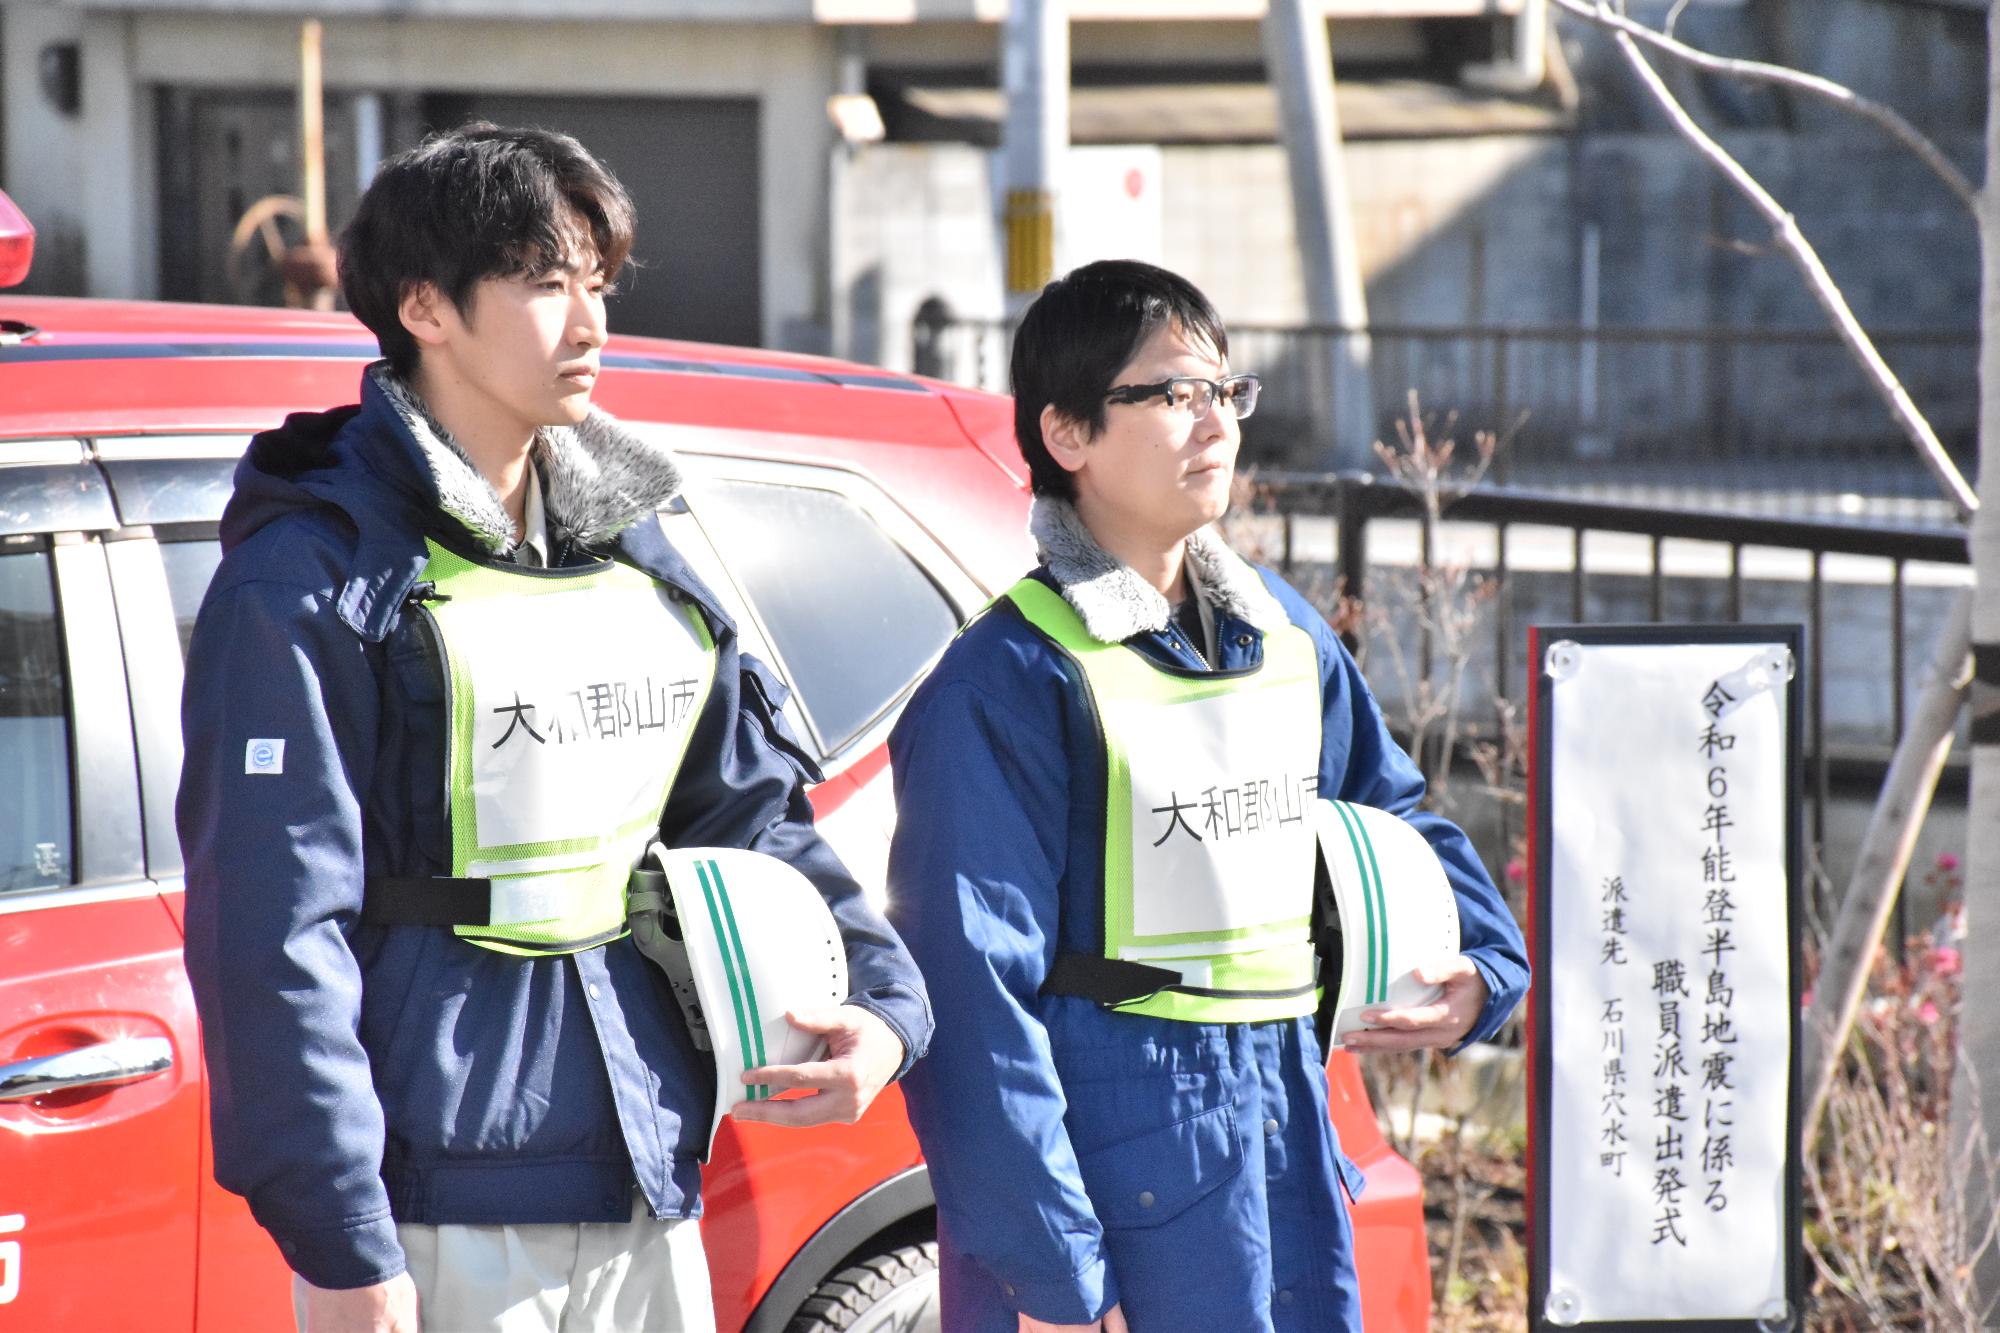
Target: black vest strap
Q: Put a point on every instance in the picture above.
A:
(1328, 945)
(1107, 981)
(391, 900)
(1115, 981)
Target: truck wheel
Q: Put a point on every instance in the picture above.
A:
(892, 1292)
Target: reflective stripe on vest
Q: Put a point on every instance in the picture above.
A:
(1208, 846)
(573, 694)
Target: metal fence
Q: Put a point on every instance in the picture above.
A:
(1869, 596)
(1766, 408)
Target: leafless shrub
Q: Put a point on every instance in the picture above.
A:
(1440, 601)
(1884, 1226)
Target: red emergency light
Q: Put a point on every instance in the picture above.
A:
(17, 243)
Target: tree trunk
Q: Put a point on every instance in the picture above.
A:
(1976, 1116)
(1884, 859)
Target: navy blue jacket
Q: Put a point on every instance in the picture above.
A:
(364, 1075)
(1084, 1158)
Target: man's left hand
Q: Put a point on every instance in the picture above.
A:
(1441, 1023)
(862, 1054)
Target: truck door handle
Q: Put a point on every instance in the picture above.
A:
(104, 1065)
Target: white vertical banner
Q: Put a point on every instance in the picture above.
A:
(1666, 915)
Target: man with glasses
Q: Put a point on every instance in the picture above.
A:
(1125, 746)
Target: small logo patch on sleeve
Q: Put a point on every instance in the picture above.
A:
(264, 756)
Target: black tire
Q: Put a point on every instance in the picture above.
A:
(891, 1292)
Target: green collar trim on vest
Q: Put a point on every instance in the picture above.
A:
(1048, 611)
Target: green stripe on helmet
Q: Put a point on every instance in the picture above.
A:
(728, 963)
(1373, 904)
(759, 1091)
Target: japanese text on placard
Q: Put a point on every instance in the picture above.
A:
(596, 712)
(1718, 916)
(1236, 809)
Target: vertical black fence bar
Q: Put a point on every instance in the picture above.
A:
(1426, 602)
(1576, 575)
(1503, 662)
(1736, 582)
(1503, 616)
(1898, 646)
(1656, 585)
(1502, 400)
(1350, 544)
(1286, 517)
(1898, 683)
(1816, 688)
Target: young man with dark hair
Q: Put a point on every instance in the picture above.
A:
(444, 1077)
(1125, 1108)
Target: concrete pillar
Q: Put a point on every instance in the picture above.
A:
(120, 205)
(42, 163)
(1300, 62)
(1034, 70)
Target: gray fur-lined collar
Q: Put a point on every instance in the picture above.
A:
(1116, 603)
(598, 477)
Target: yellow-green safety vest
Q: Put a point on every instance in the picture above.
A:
(1209, 848)
(572, 697)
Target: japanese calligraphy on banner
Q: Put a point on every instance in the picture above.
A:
(1665, 1036)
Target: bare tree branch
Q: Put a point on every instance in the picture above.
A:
(1756, 71)
(1884, 859)
(1885, 851)
(1786, 231)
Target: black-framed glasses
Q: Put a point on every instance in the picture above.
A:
(1194, 395)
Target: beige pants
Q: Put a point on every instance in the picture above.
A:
(641, 1276)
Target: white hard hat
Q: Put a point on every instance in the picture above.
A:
(753, 938)
(1397, 909)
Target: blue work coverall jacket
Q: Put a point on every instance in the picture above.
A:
(364, 1075)
(1084, 1158)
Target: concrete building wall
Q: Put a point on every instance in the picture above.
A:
(94, 175)
(1926, 59)
(43, 158)
(1500, 231)
(1486, 230)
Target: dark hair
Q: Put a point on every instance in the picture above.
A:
(474, 203)
(1079, 333)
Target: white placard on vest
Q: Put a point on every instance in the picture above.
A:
(580, 703)
(1665, 818)
(1222, 818)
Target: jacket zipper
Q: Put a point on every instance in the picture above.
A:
(1189, 644)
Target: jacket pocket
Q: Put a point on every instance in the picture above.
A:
(1151, 1179)
(1352, 1178)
